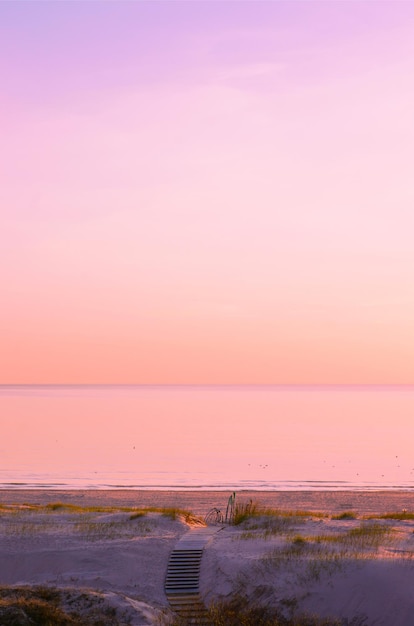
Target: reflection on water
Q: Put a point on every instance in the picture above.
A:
(183, 437)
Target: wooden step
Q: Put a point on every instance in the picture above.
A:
(183, 576)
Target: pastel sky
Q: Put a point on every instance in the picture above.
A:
(207, 192)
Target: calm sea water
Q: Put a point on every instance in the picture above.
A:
(207, 437)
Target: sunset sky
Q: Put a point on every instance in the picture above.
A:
(207, 192)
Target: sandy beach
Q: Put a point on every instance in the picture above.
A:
(200, 502)
(104, 557)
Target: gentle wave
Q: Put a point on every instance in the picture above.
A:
(184, 484)
(208, 437)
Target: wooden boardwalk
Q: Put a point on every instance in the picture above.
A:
(183, 575)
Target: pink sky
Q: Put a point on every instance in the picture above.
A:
(208, 192)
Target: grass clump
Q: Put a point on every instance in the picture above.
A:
(174, 513)
(57, 506)
(74, 508)
(401, 516)
(367, 536)
(308, 557)
(266, 527)
(137, 515)
(307, 561)
(109, 530)
(44, 606)
(244, 511)
(248, 510)
(297, 514)
(171, 512)
(299, 540)
(356, 540)
(345, 515)
(239, 611)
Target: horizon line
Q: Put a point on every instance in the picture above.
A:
(77, 384)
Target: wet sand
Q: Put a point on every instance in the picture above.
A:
(200, 502)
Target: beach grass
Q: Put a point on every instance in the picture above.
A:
(239, 611)
(308, 557)
(248, 510)
(47, 606)
(400, 516)
(84, 523)
(63, 507)
(345, 515)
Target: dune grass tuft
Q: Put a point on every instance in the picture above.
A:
(345, 515)
(64, 507)
(137, 515)
(44, 606)
(401, 516)
(251, 509)
(239, 611)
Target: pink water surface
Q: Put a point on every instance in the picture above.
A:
(244, 437)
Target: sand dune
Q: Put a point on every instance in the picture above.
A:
(347, 568)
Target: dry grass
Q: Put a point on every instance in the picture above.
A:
(345, 515)
(361, 538)
(107, 530)
(89, 523)
(63, 507)
(309, 557)
(239, 611)
(44, 606)
(400, 516)
(248, 510)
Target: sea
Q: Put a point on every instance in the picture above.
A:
(207, 437)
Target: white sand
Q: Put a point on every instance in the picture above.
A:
(125, 562)
(367, 581)
(106, 552)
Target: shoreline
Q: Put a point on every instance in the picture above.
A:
(202, 501)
